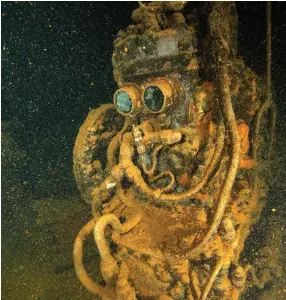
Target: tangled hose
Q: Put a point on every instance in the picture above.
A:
(113, 145)
(98, 227)
(109, 267)
(134, 174)
(232, 170)
(85, 280)
(221, 49)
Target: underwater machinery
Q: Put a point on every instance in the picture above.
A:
(173, 168)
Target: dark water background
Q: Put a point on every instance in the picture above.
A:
(56, 66)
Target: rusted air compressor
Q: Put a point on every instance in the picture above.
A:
(173, 168)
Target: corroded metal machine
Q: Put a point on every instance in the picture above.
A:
(173, 168)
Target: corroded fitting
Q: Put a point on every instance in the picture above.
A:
(137, 134)
(127, 99)
(159, 94)
(165, 137)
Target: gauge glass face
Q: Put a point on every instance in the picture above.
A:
(123, 102)
(153, 98)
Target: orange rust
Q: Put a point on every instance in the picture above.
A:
(202, 197)
(243, 132)
(246, 163)
(203, 124)
(184, 179)
(211, 128)
(192, 65)
(236, 89)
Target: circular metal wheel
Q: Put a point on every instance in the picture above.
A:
(90, 150)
